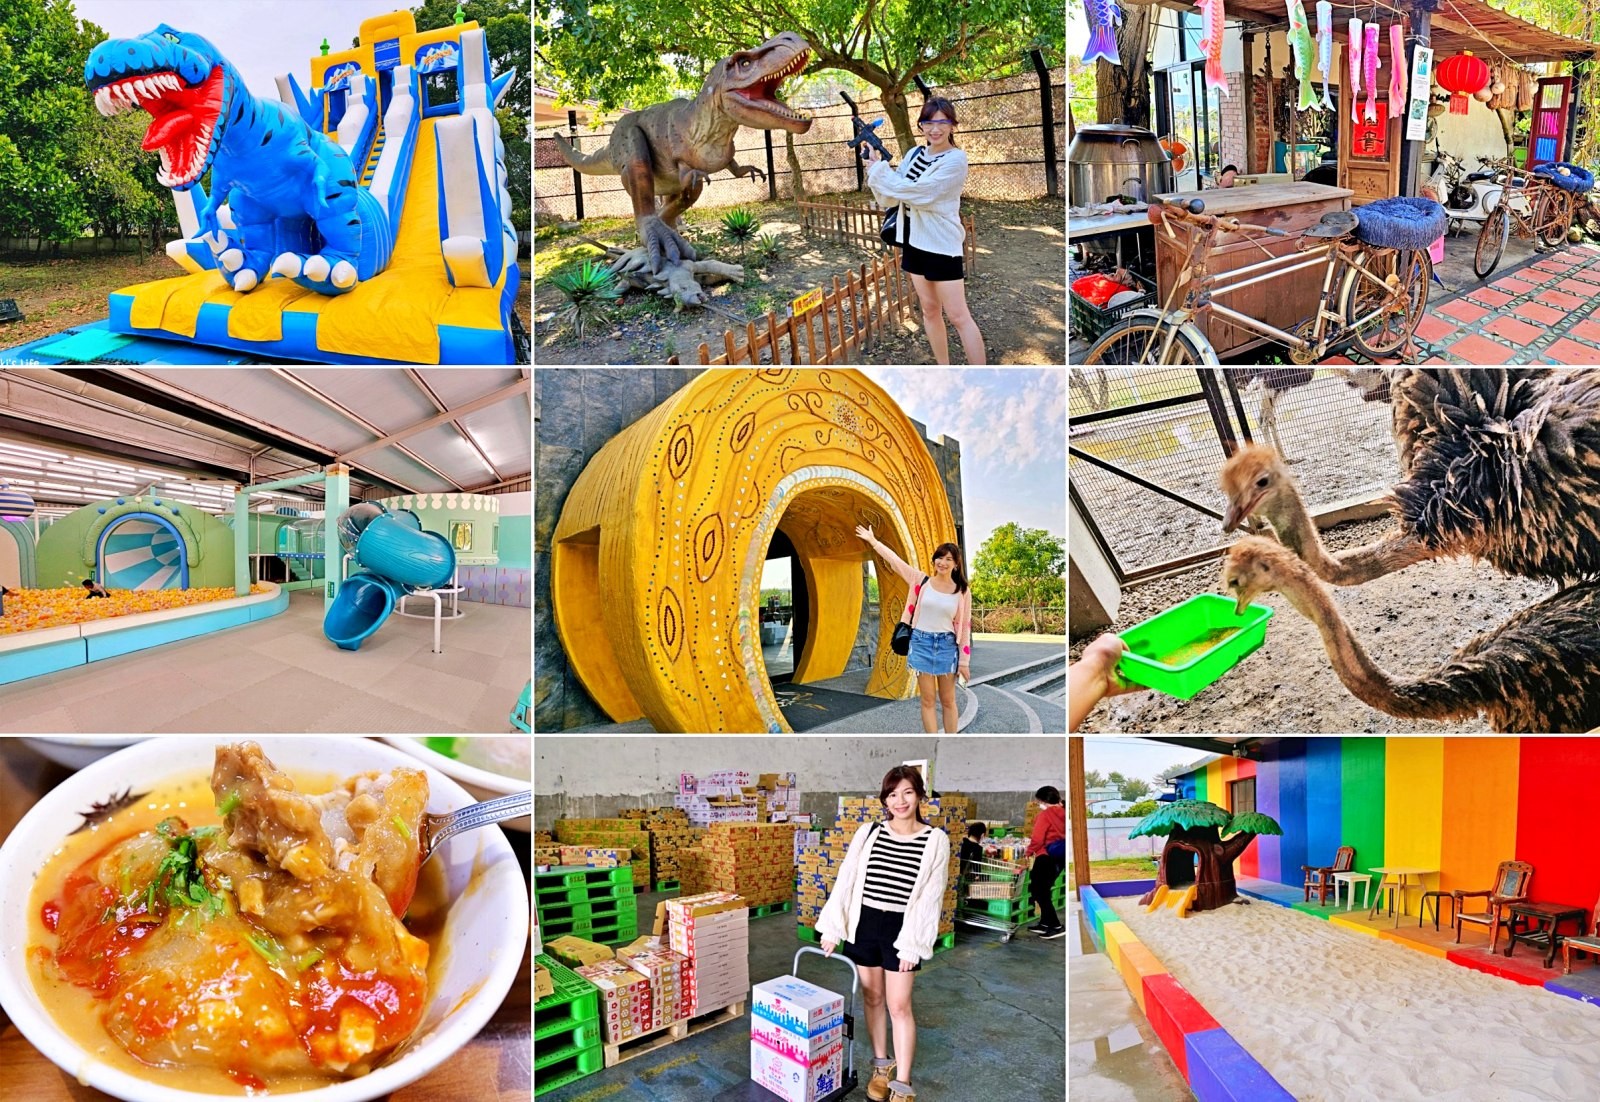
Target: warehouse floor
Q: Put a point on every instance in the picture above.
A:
(990, 1023)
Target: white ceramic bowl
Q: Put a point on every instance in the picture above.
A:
(77, 751)
(486, 933)
(482, 783)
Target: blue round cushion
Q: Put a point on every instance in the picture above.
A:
(1401, 223)
(1577, 178)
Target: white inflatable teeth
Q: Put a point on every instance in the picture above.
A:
(287, 265)
(244, 281)
(317, 268)
(232, 260)
(344, 274)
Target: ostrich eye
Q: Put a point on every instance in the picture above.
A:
(1262, 481)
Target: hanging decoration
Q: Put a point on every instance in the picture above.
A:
(1104, 17)
(1304, 52)
(1461, 76)
(1355, 69)
(1211, 23)
(14, 504)
(1369, 58)
(1397, 71)
(1325, 47)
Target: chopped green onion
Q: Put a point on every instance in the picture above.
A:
(308, 959)
(268, 950)
(400, 825)
(204, 832)
(230, 803)
(106, 916)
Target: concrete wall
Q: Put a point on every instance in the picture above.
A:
(571, 779)
(575, 412)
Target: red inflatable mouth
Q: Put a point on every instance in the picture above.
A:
(183, 118)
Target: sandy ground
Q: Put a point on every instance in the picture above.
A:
(1409, 622)
(1338, 1016)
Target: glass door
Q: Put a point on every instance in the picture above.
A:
(1196, 114)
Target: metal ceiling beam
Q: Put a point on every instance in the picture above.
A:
(100, 445)
(133, 384)
(356, 419)
(427, 392)
(494, 398)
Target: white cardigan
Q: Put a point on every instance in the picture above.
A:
(934, 198)
(842, 913)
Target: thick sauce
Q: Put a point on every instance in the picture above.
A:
(87, 946)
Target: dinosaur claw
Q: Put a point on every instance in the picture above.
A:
(344, 274)
(287, 265)
(245, 281)
(232, 260)
(317, 268)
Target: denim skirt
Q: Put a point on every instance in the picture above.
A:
(930, 653)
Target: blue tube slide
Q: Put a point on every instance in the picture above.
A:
(396, 558)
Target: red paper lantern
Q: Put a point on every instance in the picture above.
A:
(1462, 76)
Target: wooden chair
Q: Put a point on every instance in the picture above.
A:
(1586, 943)
(1510, 886)
(1321, 877)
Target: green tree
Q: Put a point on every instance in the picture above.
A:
(639, 51)
(1019, 565)
(1093, 778)
(1141, 809)
(508, 30)
(1134, 789)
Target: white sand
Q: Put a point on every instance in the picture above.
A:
(1339, 1016)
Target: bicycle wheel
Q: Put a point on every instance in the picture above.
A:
(1552, 215)
(1492, 236)
(1140, 337)
(1388, 333)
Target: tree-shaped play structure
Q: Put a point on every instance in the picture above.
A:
(1196, 868)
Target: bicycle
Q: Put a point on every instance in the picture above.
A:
(1537, 208)
(1380, 296)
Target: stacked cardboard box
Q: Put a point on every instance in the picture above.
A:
(597, 857)
(964, 804)
(576, 952)
(712, 929)
(546, 855)
(543, 838)
(1028, 816)
(754, 860)
(777, 797)
(627, 1007)
(796, 1039)
(734, 796)
(610, 834)
(666, 849)
(652, 817)
(543, 983)
(669, 976)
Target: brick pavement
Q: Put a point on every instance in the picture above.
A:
(1546, 312)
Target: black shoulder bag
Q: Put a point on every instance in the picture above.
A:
(893, 229)
(901, 642)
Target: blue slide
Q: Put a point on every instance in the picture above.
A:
(396, 556)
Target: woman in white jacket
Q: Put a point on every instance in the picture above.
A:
(885, 910)
(928, 189)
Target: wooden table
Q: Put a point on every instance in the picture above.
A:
(495, 1066)
(1404, 874)
(1540, 926)
(1284, 302)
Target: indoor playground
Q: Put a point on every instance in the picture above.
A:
(248, 550)
(361, 218)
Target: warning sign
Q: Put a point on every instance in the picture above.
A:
(808, 301)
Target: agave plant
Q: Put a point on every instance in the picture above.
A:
(741, 225)
(769, 250)
(591, 291)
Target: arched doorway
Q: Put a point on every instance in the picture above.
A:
(10, 560)
(658, 554)
(141, 551)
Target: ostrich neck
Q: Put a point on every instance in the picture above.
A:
(1298, 532)
(1360, 674)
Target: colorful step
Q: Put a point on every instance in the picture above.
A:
(1137, 963)
(1174, 1014)
(1220, 1070)
(1117, 935)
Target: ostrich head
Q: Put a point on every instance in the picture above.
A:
(1258, 483)
(1254, 566)
(1374, 383)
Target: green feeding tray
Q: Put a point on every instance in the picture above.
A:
(1189, 646)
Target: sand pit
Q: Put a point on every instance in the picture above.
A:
(1338, 1016)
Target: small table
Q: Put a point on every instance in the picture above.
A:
(1404, 874)
(1539, 925)
(1350, 880)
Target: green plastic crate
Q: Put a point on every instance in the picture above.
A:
(997, 908)
(567, 1066)
(567, 877)
(576, 1001)
(597, 910)
(1181, 652)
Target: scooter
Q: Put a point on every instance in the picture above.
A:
(1467, 197)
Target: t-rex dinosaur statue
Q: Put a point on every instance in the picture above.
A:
(277, 177)
(670, 149)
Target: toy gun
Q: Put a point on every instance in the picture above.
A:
(866, 134)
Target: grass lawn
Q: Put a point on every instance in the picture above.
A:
(1118, 868)
(56, 294)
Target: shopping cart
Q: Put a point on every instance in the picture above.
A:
(993, 896)
(754, 1092)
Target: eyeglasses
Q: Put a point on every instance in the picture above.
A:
(936, 122)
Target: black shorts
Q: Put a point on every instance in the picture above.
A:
(934, 267)
(874, 943)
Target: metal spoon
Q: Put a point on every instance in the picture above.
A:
(437, 828)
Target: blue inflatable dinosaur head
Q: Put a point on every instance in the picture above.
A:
(183, 82)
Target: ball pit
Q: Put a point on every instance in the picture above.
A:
(30, 609)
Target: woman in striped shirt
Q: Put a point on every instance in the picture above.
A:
(885, 910)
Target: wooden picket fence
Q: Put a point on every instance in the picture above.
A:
(852, 317)
(858, 223)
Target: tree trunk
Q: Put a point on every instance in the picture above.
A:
(894, 106)
(796, 177)
(1122, 92)
(1213, 877)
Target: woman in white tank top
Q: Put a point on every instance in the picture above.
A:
(941, 628)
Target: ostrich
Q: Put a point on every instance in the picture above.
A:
(1537, 672)
(1273, 381)
(1499, 465)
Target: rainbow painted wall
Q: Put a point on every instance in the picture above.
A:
(1461, 805)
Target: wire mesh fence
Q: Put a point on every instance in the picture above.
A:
(1001, 128)
(1338, 446)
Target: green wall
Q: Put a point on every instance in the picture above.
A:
(516, 542)
(65, 554)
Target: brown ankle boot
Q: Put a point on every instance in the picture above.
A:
(878, 1086)
(901, 1092)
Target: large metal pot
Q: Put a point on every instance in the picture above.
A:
(1111, 159)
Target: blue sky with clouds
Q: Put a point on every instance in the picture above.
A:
(1011, 424)
(263, 38)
